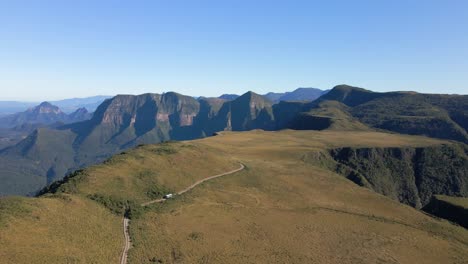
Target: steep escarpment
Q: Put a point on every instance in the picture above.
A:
(409, 175)
(123, 122)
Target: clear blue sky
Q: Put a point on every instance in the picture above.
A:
(59, 49)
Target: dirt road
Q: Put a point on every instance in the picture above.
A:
(197, 183)
(123, 258)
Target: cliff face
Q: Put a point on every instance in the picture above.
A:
(125, 121)
(408, 175)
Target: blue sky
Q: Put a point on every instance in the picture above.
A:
(61, 49)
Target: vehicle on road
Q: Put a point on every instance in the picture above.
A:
(168, 196)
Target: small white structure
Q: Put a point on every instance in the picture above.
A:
(168, 196)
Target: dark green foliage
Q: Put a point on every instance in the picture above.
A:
(157, 191)
(116, 205)
(155, 260)
(285, 112)
(409, 175)
(134, 211)
(439, 116)
(303, 121)
(441, 170)
(165, 150)
(119, 206)
(69, 184)
(442, 207)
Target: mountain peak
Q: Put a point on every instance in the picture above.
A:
(45, 104)
(350, 95)
(254, 96)
(349, 88)
(82, 110)
(46, 108)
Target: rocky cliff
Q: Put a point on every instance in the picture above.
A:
(409, 175)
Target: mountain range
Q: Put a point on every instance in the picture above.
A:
(346, 107)
(331, 170)
(43, 114)
(66, 105)
(125, 121)
(300, 94)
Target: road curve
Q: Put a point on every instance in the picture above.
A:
(123, 258)
(197, 183)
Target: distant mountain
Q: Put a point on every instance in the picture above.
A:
(350, 108)
(67, 105)
(274, 97)
(11, 107)
(44, 114)
(228, 96)
(71, 105)
(79, 115)
(123, 122)
(300, 94)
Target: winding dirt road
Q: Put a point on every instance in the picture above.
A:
(123, 258)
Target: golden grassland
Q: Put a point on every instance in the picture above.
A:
(458, 201)
(62, 229)
(280, 209)
(283, 210)
(133, 175)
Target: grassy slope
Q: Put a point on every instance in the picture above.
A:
(65, 229)
(282, 210)
(279, 210)
(458, 201)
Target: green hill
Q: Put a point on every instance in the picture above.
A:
(433, 115)
(290, 205)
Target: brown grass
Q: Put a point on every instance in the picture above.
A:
(60, 230)
(280, 209)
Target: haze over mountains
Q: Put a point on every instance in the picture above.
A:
(44, 114)
(300, 94)
(125, 121)
(311, 178)
(66, 105)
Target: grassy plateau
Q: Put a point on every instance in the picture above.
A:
(284, 207)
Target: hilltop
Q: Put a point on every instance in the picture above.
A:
(292, 204)
(347, 107)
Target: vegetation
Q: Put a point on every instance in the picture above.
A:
(288, 206)
(409, 175)
(452, 208)
(58, 230)
(127, 121)
(287, 209)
